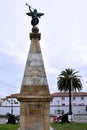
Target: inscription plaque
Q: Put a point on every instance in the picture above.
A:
(35, 112)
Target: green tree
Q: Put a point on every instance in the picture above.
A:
(68, 80)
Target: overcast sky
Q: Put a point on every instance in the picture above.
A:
(63, 41)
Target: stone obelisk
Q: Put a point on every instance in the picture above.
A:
(34, 94)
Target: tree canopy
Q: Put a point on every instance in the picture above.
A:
(68, 80)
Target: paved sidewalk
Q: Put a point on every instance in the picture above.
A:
(51, 128)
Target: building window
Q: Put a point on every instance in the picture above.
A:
(82, 97)
(63, 104)
(15, 102)
(82, 104)
(74, 98)
(59, 111)
(8, 101)
(58, 102)
(74, 104)
(63, 98)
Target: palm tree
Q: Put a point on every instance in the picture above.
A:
(68, 80)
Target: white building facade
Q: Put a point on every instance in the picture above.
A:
(60, 103)
(10, 105)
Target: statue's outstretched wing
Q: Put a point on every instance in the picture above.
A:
(40, 14)
(29, 14)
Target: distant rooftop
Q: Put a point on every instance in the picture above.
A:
(13, 95)
(66, 94)
(56, 94)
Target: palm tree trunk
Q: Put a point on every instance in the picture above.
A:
(70, 104)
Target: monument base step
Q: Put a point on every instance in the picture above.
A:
(50, 128)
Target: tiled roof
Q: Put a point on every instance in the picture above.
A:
(56, 94)
(13, 95)
(66, 94)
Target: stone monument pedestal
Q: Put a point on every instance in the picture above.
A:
(35, 114)
(34, 95)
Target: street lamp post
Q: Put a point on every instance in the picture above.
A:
(11, 106)
(58, 108)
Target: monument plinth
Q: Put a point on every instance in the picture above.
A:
(34, 94)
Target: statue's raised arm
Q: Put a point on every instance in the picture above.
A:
(29, 7)
(34, 14)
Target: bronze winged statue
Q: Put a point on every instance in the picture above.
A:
(34, 14)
